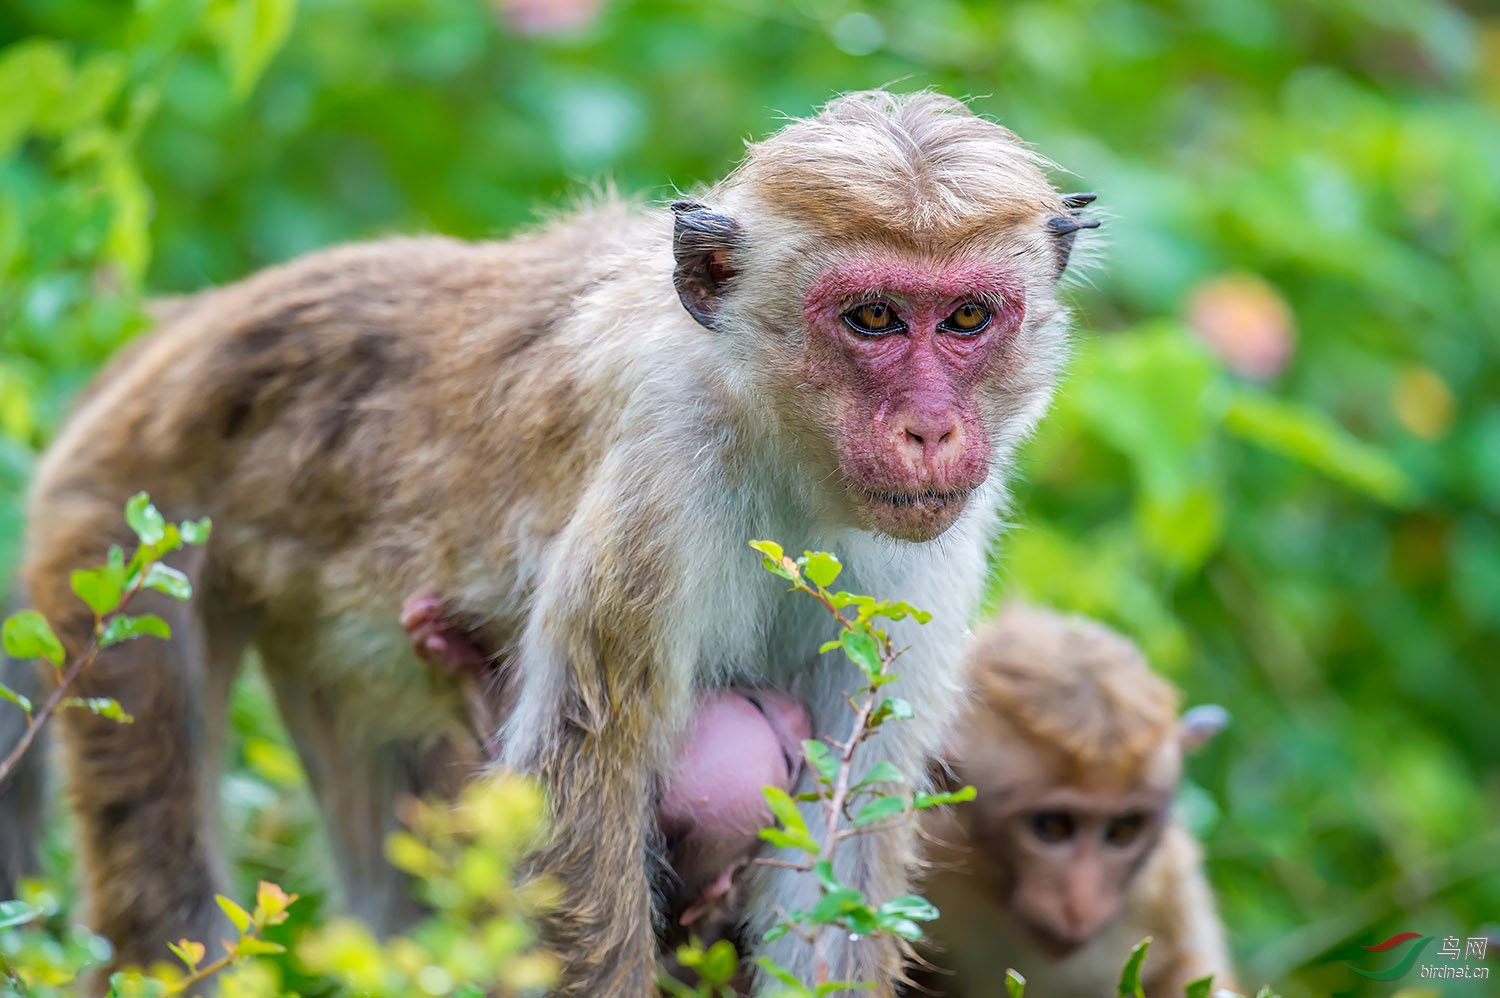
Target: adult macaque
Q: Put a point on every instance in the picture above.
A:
(571, 435)
(1070, 855)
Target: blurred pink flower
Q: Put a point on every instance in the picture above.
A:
(1245, 322)
(548, 17)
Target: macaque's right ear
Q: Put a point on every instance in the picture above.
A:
(703, 243)
(1064, 228)
(1198, 725)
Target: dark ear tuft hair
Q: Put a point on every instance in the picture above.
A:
(1064, 228)
(703, 243)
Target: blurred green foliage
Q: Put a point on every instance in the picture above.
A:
(1276, 461)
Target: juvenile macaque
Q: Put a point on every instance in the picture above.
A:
(571, 435)
(1070, 855)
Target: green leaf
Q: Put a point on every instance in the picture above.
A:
(239, 916)
(962, 795)
(834, 987)
(195, 531)
(20, 700)
(891, 709)
(719, 964)
(1304, 434)
(910, 906)
(773, 560)
(821, 567)
(834, 904)
(256, 946)
(823, 870)
(103, 706)
(864, 652)
(149, 525)
(1203, 987)
(821, 759)
(880, 807)
(28, 635)
(134, 984)
(903, 927)
(250, 37)
(1015, 984)
(1130, 976)
(777, 971)
(101, 588)
(784, 809)
(17, 913)
(883, 771)
(166, 579)
(790, 840)
(124, 627)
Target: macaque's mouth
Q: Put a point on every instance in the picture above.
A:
(930, 499)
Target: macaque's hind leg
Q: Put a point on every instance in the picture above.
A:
(357, 780)
(145, 794)
(22, 799)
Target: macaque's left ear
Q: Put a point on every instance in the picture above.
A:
(703, 243)
(1198, 725)
(1064, 228)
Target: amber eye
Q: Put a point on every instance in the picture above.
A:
(1052, 826)
(968, 319)
(873, 318)
(1125, 829)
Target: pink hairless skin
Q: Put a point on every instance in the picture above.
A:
(914, 382)
(712, 808)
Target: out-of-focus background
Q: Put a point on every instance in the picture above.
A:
(1276, 462)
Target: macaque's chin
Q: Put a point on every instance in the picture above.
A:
(1052, 945)
(917, 516)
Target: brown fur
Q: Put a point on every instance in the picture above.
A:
(537, 429)
(1064, 704)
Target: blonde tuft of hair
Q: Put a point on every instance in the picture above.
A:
(918, 166)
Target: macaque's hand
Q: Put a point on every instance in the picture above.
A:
(438, 641)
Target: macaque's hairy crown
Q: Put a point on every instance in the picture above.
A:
(1076, 689)
(909, 168)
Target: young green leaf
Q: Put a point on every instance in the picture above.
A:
(101, 588)
(864, 652)
(821, 567)
(910, 906)
(17, 913)
(1130, 976)
(880, 807)
(20, 700)
(125, 627)
(256, 946)
(1015, 984)
(883, 771)
(195, 531)
(821, 760)
(790, 840)
(1203, 987)
(719, 963)
(28, 635)
(784, 809)
(239, 916)
(149, 525)
(107, 707)
(923, 801)
(166, 579)
(891, 709)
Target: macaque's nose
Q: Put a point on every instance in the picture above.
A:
(930, 438)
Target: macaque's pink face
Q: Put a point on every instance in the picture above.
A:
(898, 348)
